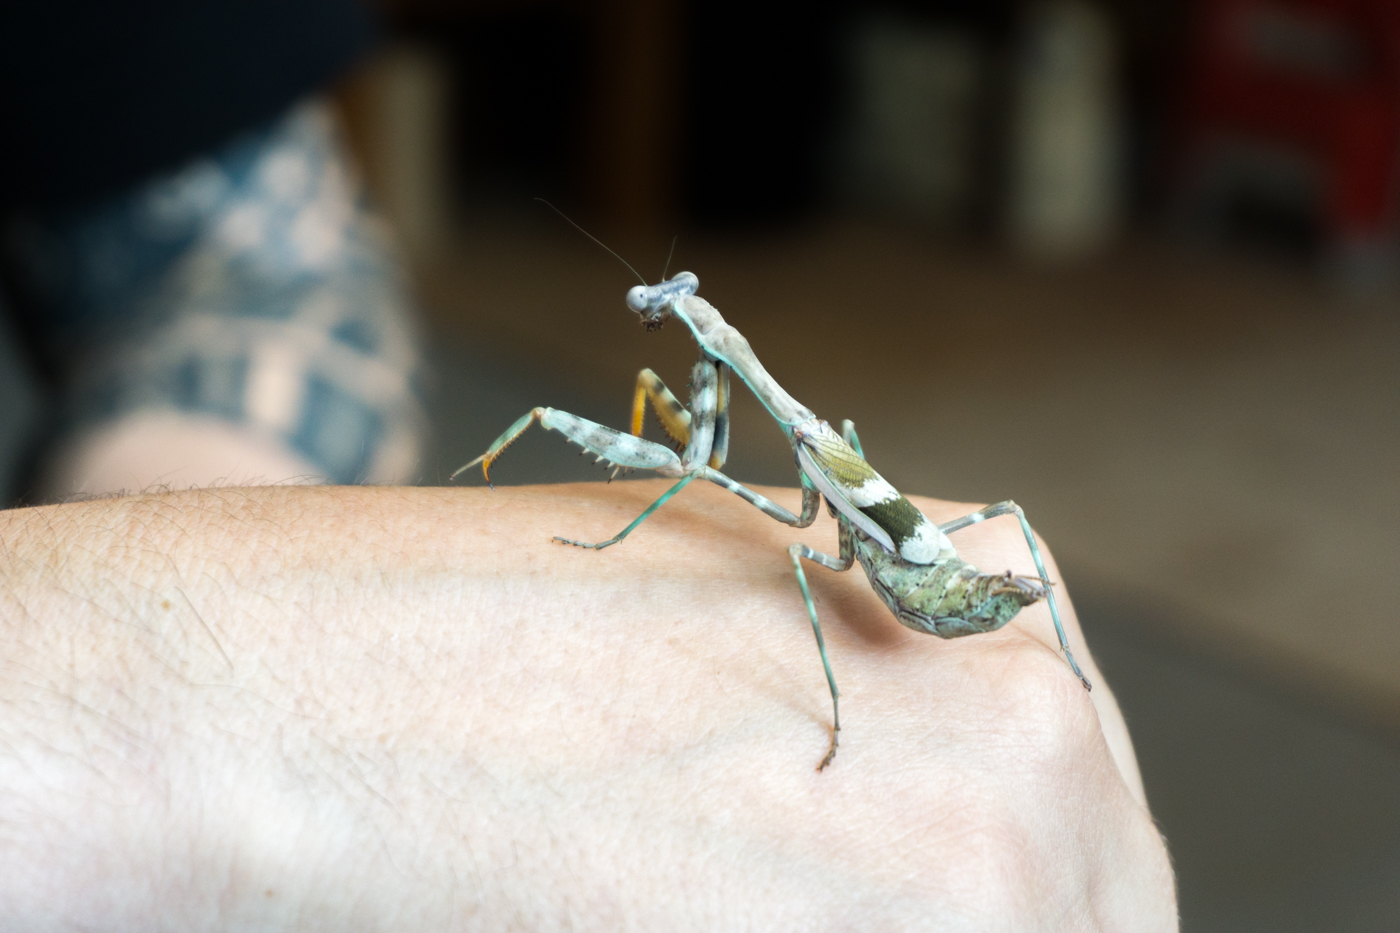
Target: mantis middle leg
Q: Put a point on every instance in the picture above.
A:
(848, 551)
(811, 502)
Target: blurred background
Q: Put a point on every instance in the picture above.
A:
(1130, 262)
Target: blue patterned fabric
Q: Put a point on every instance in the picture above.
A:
(252, 287)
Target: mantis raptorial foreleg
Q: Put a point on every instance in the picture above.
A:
(706, 420)
(625, 450)
(675, 419)
(696, 428)
(621, 449)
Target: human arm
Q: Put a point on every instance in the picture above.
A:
(408, 708)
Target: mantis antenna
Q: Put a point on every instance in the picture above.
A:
(596, 240)
(667, 268)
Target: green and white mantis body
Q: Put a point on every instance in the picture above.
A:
(909, 560)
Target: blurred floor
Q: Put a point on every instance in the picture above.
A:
(1280, 818)
(1208, 443)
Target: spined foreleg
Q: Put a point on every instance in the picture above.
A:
(709, 386)
(606, 444)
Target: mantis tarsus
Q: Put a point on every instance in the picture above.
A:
(910, 561)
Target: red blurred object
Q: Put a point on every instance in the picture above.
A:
(1320, 78)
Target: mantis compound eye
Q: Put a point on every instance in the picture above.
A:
(637, 298)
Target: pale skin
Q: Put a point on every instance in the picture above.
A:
(366, 708)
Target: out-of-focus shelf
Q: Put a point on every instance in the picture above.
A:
(631, 97)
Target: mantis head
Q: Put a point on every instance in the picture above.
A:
(653, 302)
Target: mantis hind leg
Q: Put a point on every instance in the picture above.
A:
(1011, 508)
(798, 552)
(848, 431)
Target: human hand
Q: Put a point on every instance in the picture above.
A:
(409, 708)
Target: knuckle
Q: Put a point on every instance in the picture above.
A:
(1004, 864)
(1043, 708)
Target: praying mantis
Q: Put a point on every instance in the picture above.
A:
(910, 562)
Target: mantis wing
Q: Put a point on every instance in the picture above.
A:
(865, 498)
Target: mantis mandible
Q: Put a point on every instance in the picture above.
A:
(909, 560)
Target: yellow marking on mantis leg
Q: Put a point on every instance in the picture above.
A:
(720, 451)
(501, 443)
(674, 418)
(639, 405)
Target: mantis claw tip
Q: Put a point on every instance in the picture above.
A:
(485, 465)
